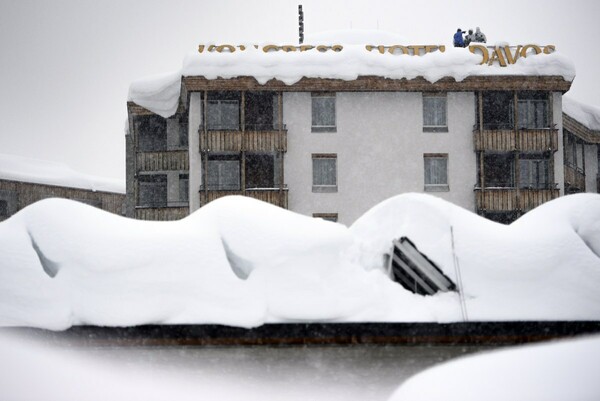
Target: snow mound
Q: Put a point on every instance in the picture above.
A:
(241, 262)
(19, 168)
(586, 114)
(565, 370)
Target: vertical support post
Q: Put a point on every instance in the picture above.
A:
(280, 150)
(243, 148)
(300, 24)
(517, 177)
(205, 153)
(481, 153)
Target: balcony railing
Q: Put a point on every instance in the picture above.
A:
(275, 196)
(253, 139)
(512, 199)
(509, 140)
(574, 179)
(160, 161)
(161, 213)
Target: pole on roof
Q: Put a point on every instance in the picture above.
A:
(300, 24)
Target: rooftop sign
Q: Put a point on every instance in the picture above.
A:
(491, 55)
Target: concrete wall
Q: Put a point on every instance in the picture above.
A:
(195, 120)
(591, 168)
(379, 145)
(559, 156)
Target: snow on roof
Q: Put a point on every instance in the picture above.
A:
(241, 262)
(586, 114)
(560, 370)
(19, 168)
(265, 62)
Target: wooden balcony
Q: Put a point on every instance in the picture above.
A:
(243, 141)
(525, 140)
(161, 213)
(274, 196)
(574, 179)
(512, 199)
(161, 161)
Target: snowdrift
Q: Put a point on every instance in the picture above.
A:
(562, 370)
(242, 262)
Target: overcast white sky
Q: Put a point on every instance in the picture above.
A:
(66, 65)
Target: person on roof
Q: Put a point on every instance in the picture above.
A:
(469, 38)
(458, 38)
(479, 36)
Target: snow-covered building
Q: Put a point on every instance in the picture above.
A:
(24, 181)
(332, 128)
(581, 139)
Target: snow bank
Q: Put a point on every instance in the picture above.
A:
(160, 94)
(586, 114)
(565, 370)
(36, 171)
(242, 262)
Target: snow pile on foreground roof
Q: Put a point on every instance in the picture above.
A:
(556, 371)
(587, 115)
(160, 93)
(19, 168)
(242, 262)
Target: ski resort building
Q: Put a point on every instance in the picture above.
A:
(329, 130)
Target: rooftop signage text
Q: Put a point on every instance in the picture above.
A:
(506, 55)
(499, 55)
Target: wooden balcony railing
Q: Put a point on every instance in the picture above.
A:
(167, 160)
(238, 141)
(274, 196)
(161, 213)
(511, 199)
(574, 179)
(525, 140)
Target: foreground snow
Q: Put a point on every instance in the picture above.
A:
(565, 370)
(242, 262)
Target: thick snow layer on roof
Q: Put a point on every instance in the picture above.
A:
(19, 168)
(586, 114)
(563, 370)
(242, 262)
(160, 94)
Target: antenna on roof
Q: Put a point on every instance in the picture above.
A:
(300, 24)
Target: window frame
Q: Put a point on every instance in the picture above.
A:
(156, 179)
(325, 187)
(323, 128)
(432, 127)
(435, 187)
(333, 217)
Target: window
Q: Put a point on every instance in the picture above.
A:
(533, 173)
(260, 171)
(224, 174)
(435, 110)
(327, 216)
(499, 170)
(3, 208)
(152, 133)
(324, 172)
(533, 110)
(436, 172)
(152, 190)
(498, 110)
(223, 115)
(323, 112)
(183, 134)
(184, 187)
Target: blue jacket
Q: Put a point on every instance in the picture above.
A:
(458, 40)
